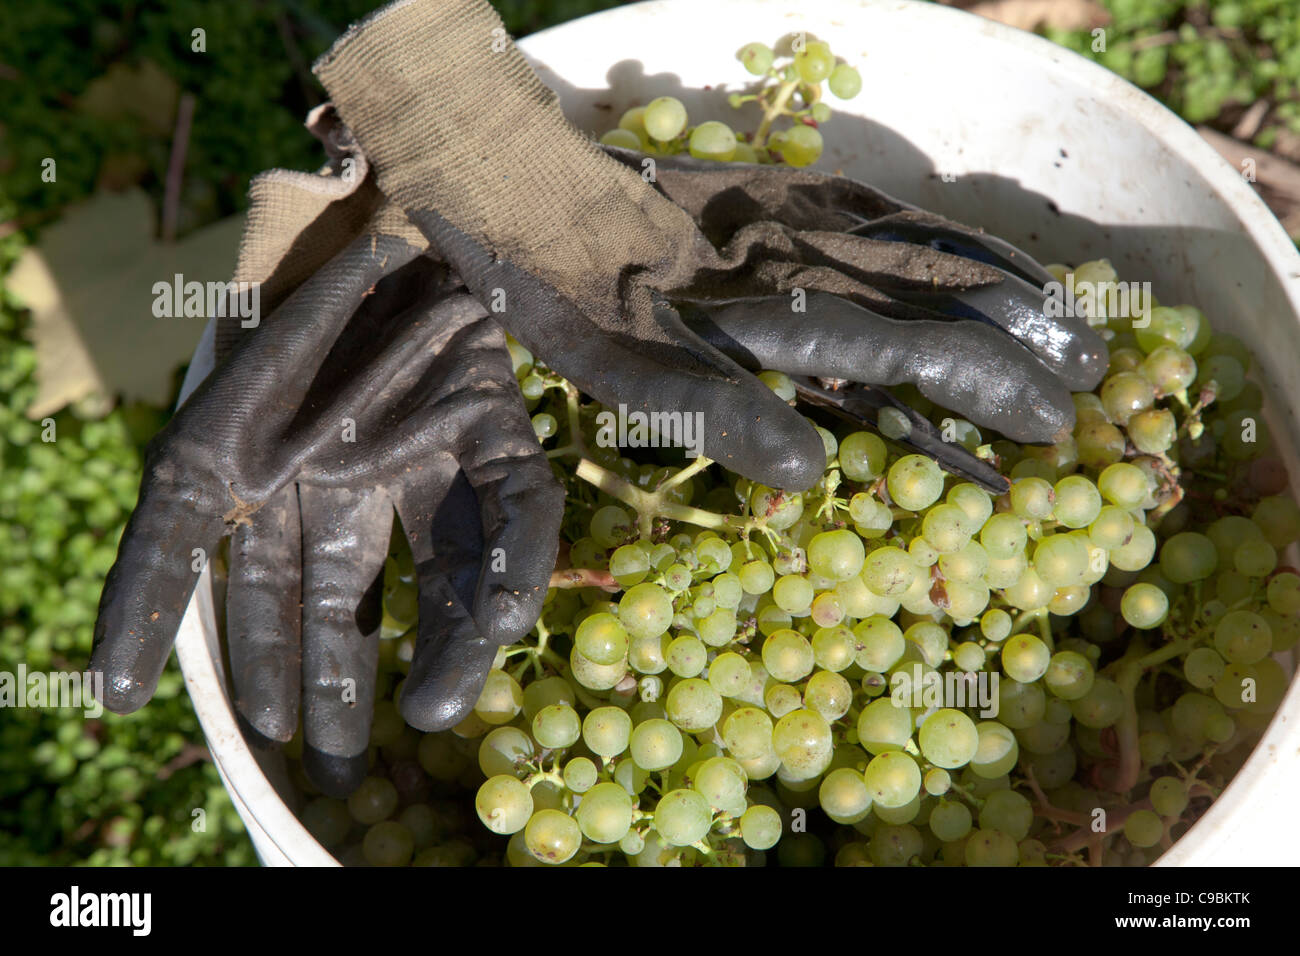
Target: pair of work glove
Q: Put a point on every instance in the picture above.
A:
(456, 181)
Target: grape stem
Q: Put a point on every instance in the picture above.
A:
(1039, 616)
(576, 445)
(686, 474)
(583, 578)
(1126, 730)
(1083, 836)
(554, 776)
(965, 794)
(650, 505)
(1045, 808)
(774, 109)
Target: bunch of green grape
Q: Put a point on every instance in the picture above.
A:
(793, 89)
(895, 667)
(715, 677)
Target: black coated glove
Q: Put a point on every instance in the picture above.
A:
(379, 345)
(592, 262)
(897, 325)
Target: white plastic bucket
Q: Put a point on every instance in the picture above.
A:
(990, 126)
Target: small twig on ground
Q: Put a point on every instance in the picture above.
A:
(176, 166)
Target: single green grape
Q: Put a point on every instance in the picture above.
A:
(552, 836)
(504, 804)
(606, 731)
(991, 848)
(747, 732)
(664, 118)
(1101, 706)
(937, 781)
(602, 639)
(693, 705)
(1060, 560)
(968, 656)
(624, 139)
(948, 739)
(722, 782)
(893, 779)
(890, 571)
(1124, 485)
(838, 555)
(1169, 369)
(1137, 552)
(504, 751)
(845, 82)
(1020, 706)
(760, 827)
(814, 62)
(862, 456)
(1007, 812)
(605, 813)
(788, 656)
(950, 820)
(1025, 658)
(1254, 558)
(1125, 394)
(829, 694)
(1112, 528)
(1032, 499)
(1078, 502)
(655, 744)
(388, 843)
(557, 726)
(801, 145)
(997, 751)
(1169, 796)
(844, 796)
(756, 58)
(995, 624)
(1243, 637)
(883, 726)
(1153, 431)
(374, 800)
(915, 482)
(713, 140)
(802, 739)
(1188, 556)
(682, 817)
(1144, 606)
(629, 565)
(1069, 676)
(645, 610)
(500, 700)
(610, 525)
(1143, 828)
(545, 426)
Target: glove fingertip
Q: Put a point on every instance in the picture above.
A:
(264, 733)
(1049, 422)
(333, 775)
(122, 693)
(447, 673)
(271, 723)
(788, 454)
(506, 614)
(433, 708)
